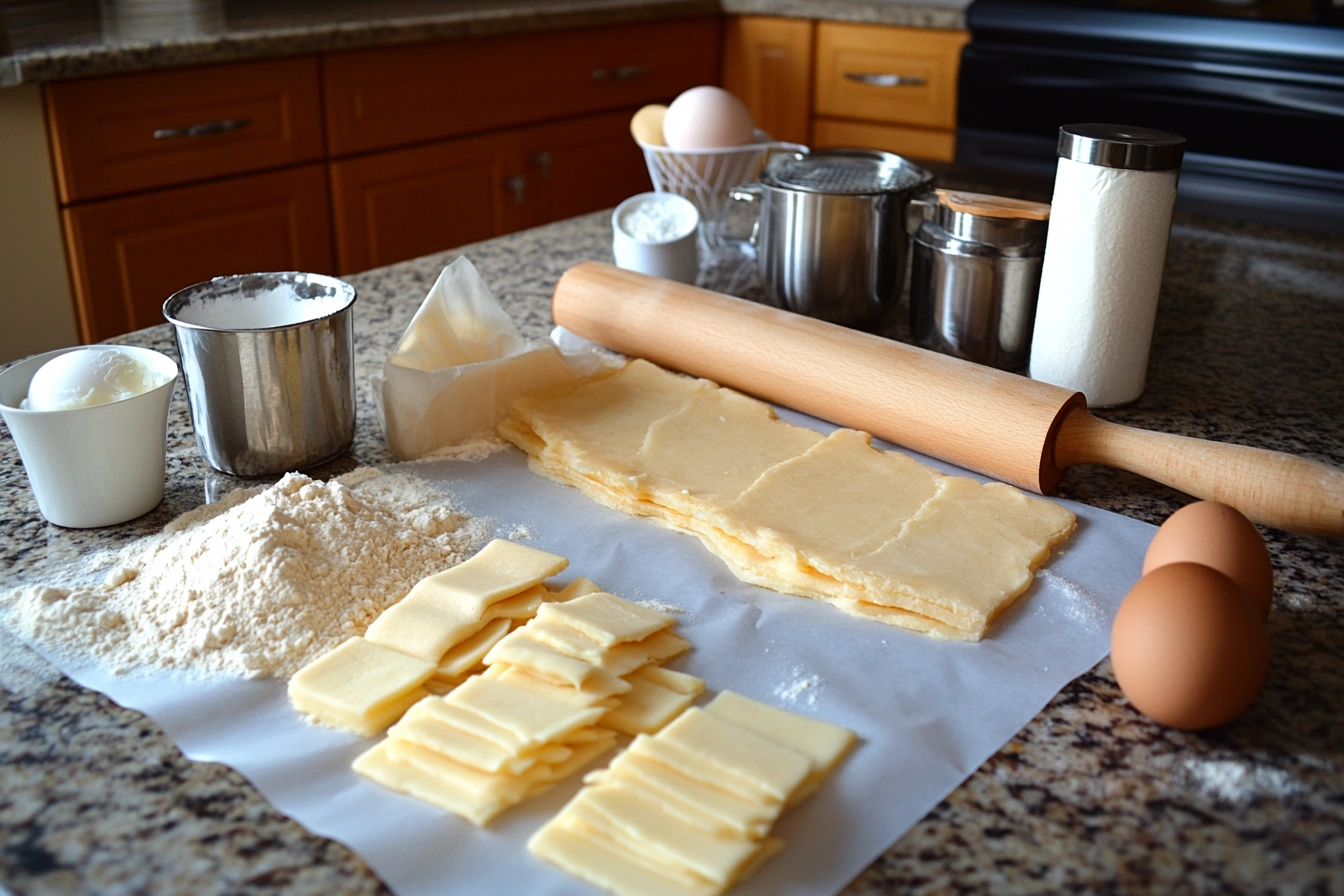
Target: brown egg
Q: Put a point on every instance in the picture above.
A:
(1189, 648)
(1219, 536)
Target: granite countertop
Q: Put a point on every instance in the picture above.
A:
(1088, 797)
(47, 39)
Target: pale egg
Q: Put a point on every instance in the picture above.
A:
(707, 118)
(646, 126)
(88, 377)
(1189, 648)
(1219, 536)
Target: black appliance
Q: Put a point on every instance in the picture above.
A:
(1255, 86)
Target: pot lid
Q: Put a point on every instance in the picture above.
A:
(851, 172)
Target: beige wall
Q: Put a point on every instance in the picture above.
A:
(36, 312)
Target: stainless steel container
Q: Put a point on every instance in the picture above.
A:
(830, 236)
(268, 363)
(975, 275)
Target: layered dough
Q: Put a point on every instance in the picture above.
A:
(872, 532)
(430, 640)
(553, 695)
(689, 809)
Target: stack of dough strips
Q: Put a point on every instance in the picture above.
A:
(874, 533)
(687, 812)
(554, 694)
(428, 641)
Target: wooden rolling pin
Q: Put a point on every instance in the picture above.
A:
(999, 424)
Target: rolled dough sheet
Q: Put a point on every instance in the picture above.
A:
(876, 533)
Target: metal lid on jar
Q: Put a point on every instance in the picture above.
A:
(850, 172)
(1120, 146)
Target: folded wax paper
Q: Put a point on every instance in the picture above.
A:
(458, 365)
(927, 712)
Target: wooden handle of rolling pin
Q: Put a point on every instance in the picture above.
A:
(1270, 487)
(996, 423)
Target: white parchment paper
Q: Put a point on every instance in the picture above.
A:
(927, 712)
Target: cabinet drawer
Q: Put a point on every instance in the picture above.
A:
(896, 75)
(129, 254)
(393, 96)
(917, 144)
(122, 133)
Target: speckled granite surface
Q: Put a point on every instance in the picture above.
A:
(1089, 797)
(44, 41)
(913, 14)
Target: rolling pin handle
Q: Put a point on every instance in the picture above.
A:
(1269, 487)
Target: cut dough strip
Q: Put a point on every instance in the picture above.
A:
(445, 608)
(359, 686)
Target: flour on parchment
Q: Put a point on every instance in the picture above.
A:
(260, 583)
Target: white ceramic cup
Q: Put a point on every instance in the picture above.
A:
(94, 466)
(675, 254)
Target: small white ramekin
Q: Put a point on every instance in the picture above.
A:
(94, 466)
(674, 259)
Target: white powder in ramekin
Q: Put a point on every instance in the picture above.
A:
(657, 221)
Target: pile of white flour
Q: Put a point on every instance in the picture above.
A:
(260, 583)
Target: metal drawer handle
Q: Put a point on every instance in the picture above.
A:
(623, 73)
(205, 129)
(886, 80)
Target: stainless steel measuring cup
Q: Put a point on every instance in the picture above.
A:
(268, 363)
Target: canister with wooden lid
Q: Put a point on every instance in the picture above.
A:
(974, 276)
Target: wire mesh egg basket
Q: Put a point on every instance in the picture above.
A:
(704, 176)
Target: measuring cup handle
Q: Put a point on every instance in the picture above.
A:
(921, 208)
(745, 193)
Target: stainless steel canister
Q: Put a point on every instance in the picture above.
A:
(268, 363)
(830, 236)
(975, 275)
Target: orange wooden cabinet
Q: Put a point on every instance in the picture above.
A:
(887, 88)
(128, 255)
(174, 176)
(578, 166)
(393, 96)
(123, 133)
(767, 63)
(400, 204)
(397, 205)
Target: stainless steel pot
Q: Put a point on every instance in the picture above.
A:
(830, 237)
(975, 275)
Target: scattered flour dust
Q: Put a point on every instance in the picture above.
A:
(260, 583)
(1235, 781)
(802, 688)
(471, 449)
(1082, 605)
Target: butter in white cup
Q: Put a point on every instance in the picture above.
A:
(655, 234)
(98, 465)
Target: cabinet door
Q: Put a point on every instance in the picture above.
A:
(580, 166)
(411, 202)
(128, 255)
(767, 63)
